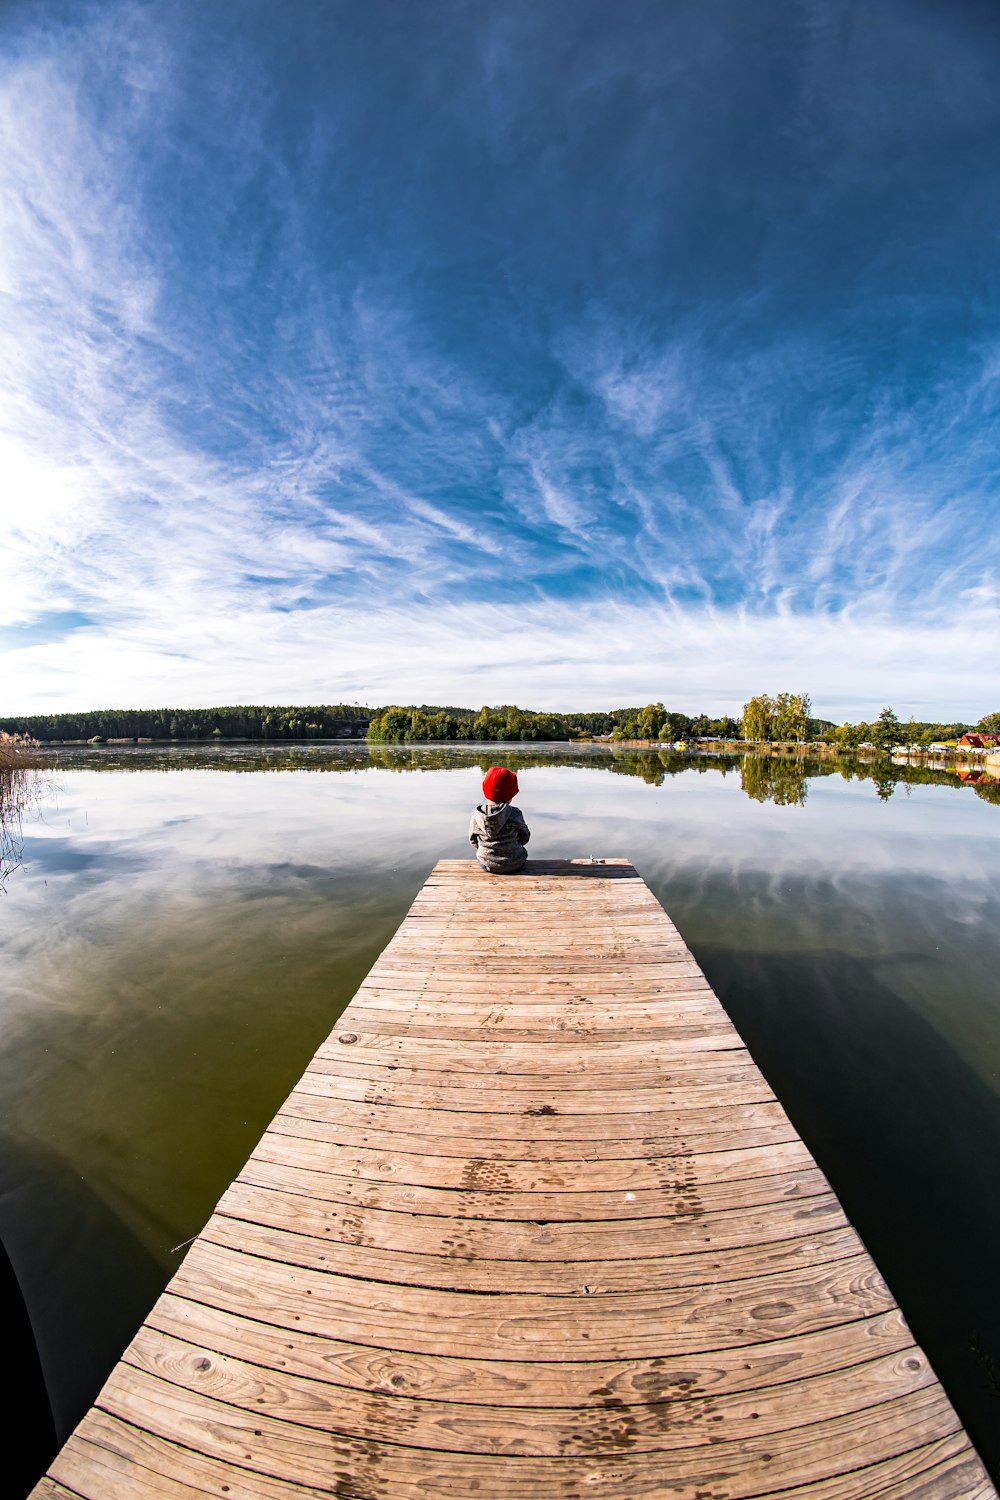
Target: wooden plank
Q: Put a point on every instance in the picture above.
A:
(496, 1054)
(489, 985)
(545, 1239)
(384, 1163)
(748, 1126)
(620, 1325)
(681, 1051)
(129, 1463)
(943, 1470)
(451, 1426)
(499, 1382)
(679, 1195)
(308, 1245)
(267, 1445)
(559, 1129)
(673, 1009)
(433, 1031)
(724, 1092)
(108, 1459)
(532, 1223)
(374, 1164)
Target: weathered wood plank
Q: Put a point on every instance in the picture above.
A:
(618, 1325)
(534, 1239)
(382, 1163)
(499, 1056)
(509, 1381)
(317, 1244)
(646, 1126)
(943, 1470)
(582, 1180)
(532, 1223)
(699, 1133)
(267, 1445)
(569, 1026)
(450, 1426)
(724, 1092)
(679, 1195)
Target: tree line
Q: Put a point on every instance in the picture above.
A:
(326, 721)
(397, 724)
(888, 730)
(783, 717)
(508, 722)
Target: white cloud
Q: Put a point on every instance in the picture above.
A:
(543, 656)
(558, 503)
(308, 545)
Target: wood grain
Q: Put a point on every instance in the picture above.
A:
(531, 1224)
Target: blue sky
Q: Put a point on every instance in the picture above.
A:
(566, 353)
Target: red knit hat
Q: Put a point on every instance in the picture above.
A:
(499, 784)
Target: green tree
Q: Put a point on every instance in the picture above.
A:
(791, 716)
(392, 724)
(645, 723)
(757, 718)
(886, 731)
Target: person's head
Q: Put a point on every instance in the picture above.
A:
(499, 784)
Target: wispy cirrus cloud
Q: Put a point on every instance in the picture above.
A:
(300, 323)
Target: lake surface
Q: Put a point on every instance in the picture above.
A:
(187, 925)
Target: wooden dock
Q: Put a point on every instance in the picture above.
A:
(531, 1225)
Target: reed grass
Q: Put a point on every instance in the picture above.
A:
(20, 782)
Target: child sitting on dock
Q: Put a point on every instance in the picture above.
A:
(498, 830)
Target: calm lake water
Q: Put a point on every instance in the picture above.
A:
(188, 924)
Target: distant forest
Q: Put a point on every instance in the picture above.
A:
(328, 721)
(783, 718)
(352, 720)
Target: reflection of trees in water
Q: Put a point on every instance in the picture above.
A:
(885, 781)
(775, 777)
(19, 781)
(767, 778)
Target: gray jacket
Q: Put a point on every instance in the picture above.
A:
(499, 833)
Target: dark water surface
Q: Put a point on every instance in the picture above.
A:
(180, 938)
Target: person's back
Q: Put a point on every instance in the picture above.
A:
(497, 830)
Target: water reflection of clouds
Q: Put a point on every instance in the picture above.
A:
(214, 824)
(59, 855)
(707, 821)
(189, 854)
(164, 992)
